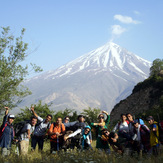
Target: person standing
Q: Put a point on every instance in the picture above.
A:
(122, 127)
(7, 133)
(40, 130)
(103, 124)
(25, 135)
(140, 139)
(56, 132)
(154, 134)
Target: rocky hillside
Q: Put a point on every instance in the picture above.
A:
(145, 96)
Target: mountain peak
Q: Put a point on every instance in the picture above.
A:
(110, 57)
(100, 78)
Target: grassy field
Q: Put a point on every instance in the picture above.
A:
(76, 157)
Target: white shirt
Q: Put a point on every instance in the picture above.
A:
(122, 126)
(24, 134)
(41, 129)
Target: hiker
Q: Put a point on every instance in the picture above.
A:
(122, 127)
(118, 145)
(99, 127)
(85, 142)
(130, 125)
(40, 131)
(154, 134)
(140, 139)
(25, 135)
(66, 119)
(56, 133)
(6, 133)
(105, 136)
(72, 127)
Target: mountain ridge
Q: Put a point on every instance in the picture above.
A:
(100, 79)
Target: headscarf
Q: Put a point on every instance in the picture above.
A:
(85, 135)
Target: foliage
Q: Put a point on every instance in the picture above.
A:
(13, 51)
(156, 111)
(41, 110)
(156, 67)
(153, 81)
(64, 113)
(91, 114)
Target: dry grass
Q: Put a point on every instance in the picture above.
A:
(76, 157)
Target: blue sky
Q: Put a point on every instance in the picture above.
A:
(59, 31)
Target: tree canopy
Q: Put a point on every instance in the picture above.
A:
(13, 51)
(156, 67)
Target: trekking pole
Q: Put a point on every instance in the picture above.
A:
(57, 143)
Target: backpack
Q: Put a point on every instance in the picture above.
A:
(2, 129)
(19, 126)
(141, 122)
(160, 128)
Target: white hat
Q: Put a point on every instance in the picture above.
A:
(11, 116)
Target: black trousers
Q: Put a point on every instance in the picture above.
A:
(37, 140)
(55, 146)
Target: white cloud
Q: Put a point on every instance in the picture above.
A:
(126, 19)
(117, 30)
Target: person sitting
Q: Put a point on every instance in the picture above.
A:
(105, 136)
(85, 142)
(117, 144)
(7, 133)
(72, 127)
(56, 133)
(102, 124)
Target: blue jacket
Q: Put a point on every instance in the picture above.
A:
(7, 135)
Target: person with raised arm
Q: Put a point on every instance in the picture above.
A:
(102, 124)
(6, 133)
(40, 131)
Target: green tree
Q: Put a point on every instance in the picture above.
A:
(13, 51)
(156, 67)
(91, 114)
(63, 113)
(41, 110)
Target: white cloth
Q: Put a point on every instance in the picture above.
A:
(75, 133)
(78, 131)
(122, 126)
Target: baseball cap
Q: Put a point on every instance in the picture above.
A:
(150, 118)
(11, 116)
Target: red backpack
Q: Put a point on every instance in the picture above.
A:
(2, 129)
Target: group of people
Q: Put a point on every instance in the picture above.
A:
(129, 133)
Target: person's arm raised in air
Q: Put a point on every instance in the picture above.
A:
(107, 119)
(33, 111)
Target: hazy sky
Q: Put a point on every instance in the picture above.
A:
(62, 30)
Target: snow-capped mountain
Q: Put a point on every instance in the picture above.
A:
(99, 79)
